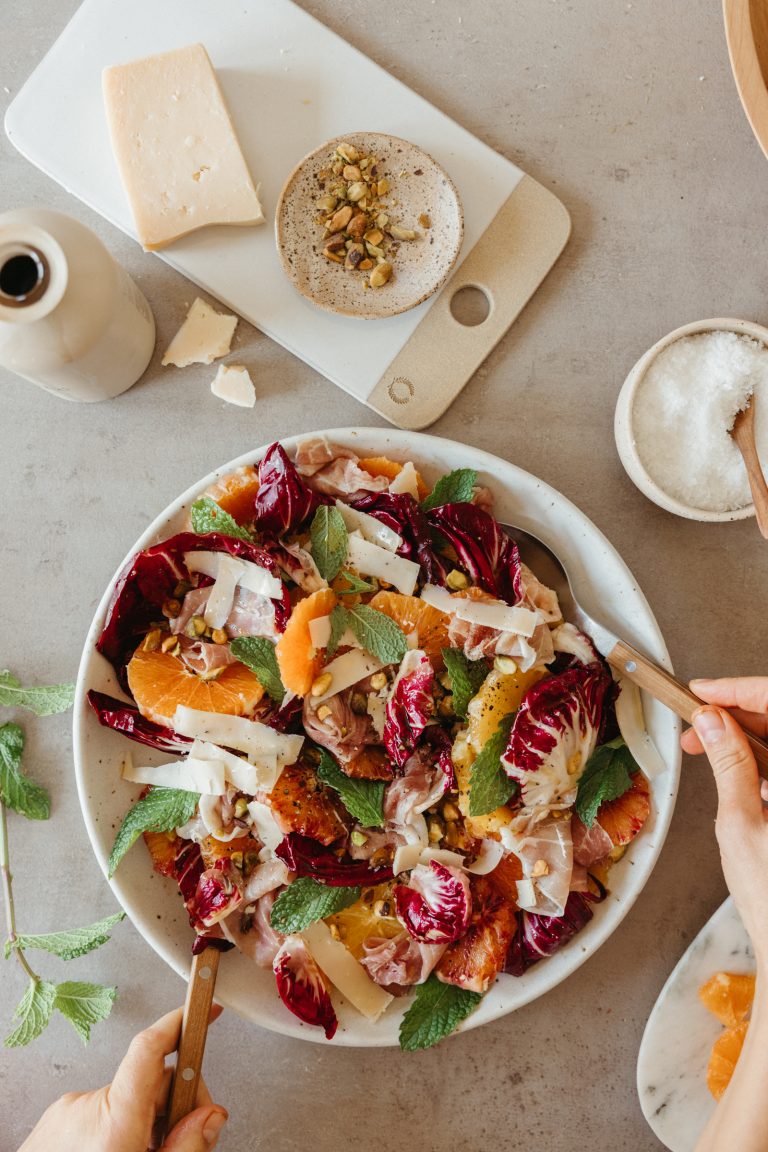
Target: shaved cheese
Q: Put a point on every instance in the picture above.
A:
(250, 778)
(490, 854)
(407, 856)
(204, 336)
(344, 972)
(489, 613)
(251, 576)
(260, 742)
(189, 775)
(376, 707)
(369, 527)
(222, 597)
(320, 634)
(372, 560)
(233, 383)
(266, 828)
(526, 894)
(348, 669)
(259, 580)
(406, 481)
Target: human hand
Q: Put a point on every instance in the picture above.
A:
(741, 826)
(122, 1116)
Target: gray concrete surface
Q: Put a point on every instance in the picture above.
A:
(629, 113)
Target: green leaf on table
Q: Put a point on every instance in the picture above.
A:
(466, 677)
(16, 789)
(71, 944)
(377, 633)
(207, 516)
(258, 654)
(330, 541)
(354, 584)
(607, 775)
(159, 811)
(363, 799)
(436, 1010)
(307, 900)
(34, 1012)
(489, 785)
(43, 700)
(454, 488)
(84, 1005)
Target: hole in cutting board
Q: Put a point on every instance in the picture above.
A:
(470, 306)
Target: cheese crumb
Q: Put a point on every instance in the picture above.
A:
(204, 336)
(233, 383)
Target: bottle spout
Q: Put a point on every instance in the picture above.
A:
(24, 275)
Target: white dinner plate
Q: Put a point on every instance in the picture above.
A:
(606, 587)
(672, 1064)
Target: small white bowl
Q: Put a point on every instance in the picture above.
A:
(623, 427)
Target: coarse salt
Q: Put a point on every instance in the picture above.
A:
(684, 409)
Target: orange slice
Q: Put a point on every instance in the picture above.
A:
(505, 876)
(728, 996)
(372, 915)
(163, 848)
(383, 466)
(476, 959)
(372, 763)
(160, 682)
(622, 819)
(236, 493)
(411, 614)
(724, 1057)
(297, 658)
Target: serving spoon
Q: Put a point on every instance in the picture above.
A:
(625, 659)
(743, 433)
(182, 1097)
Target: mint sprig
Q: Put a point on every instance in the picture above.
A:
(607, 776)
(489, 785)
(43, 700)
(354, 584)
(16, 789)
(436, 1011)
(159, 811)
(330, 541)
(258, 654)
(34, 1012)
(84, 1005)
(70, 944)
(207, 516)
(466, 677)
(307, 900)
(454, 488)
(363, 799)
(377, 633)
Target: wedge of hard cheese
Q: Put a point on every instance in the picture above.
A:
(175, 146)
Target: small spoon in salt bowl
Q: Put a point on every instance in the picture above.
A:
(743, 433)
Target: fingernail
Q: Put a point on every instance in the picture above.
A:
(693, 683)
(213, 1126)
(709, 725)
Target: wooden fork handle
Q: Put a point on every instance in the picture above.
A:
(664, 687)
(182, 1098)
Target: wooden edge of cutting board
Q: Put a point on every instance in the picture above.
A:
(746, 31)
(508, 263)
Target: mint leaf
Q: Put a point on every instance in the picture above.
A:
(84, 1005)
(68, 945)
(455, 488)
(466, 678)
(363, 799)
(34, 1011)
(207, 516)
(16, 789)
(339, 625)
(305, 901)
(436, 1011)
(607, 775)
(43, 700)
(489, 785)
(159, 811)
(330, 541)
(355, 584)
(258, 654)
(377, 633)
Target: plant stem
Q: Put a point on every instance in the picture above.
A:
(7, 882)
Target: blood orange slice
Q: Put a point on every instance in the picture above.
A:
(728, 996)
(372, 763)
(505, 876)
(300, 804)
(622, 819)
(297, 657)
(163, 848)
(160, 682)
(476, 960)
(236, 493)
(411, 614)
(724, 1057)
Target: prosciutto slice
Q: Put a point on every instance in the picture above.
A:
(203, 658)
(249, 928)
(400, 961)
(251, 615)
(478, 641)
(335, 471)
(589, 844)
(421, 785)
(343, 732)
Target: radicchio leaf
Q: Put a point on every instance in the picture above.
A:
(400, 512)
(555, 732)
(410, 706)
(126, 718)
(151, 577)
(283, 501)
(436, 904)
(301, 987)
(484, 550)
(307, 857)
(540, 936)
(442, 747)
(216, 895)
(203, 941)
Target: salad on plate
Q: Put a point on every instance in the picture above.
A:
(393, 768)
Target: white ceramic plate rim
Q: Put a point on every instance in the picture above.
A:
(521, 498)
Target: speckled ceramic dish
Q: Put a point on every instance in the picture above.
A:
(418, 187)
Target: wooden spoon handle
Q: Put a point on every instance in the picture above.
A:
(182, 1098)
(664, 687)
(757, 485)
